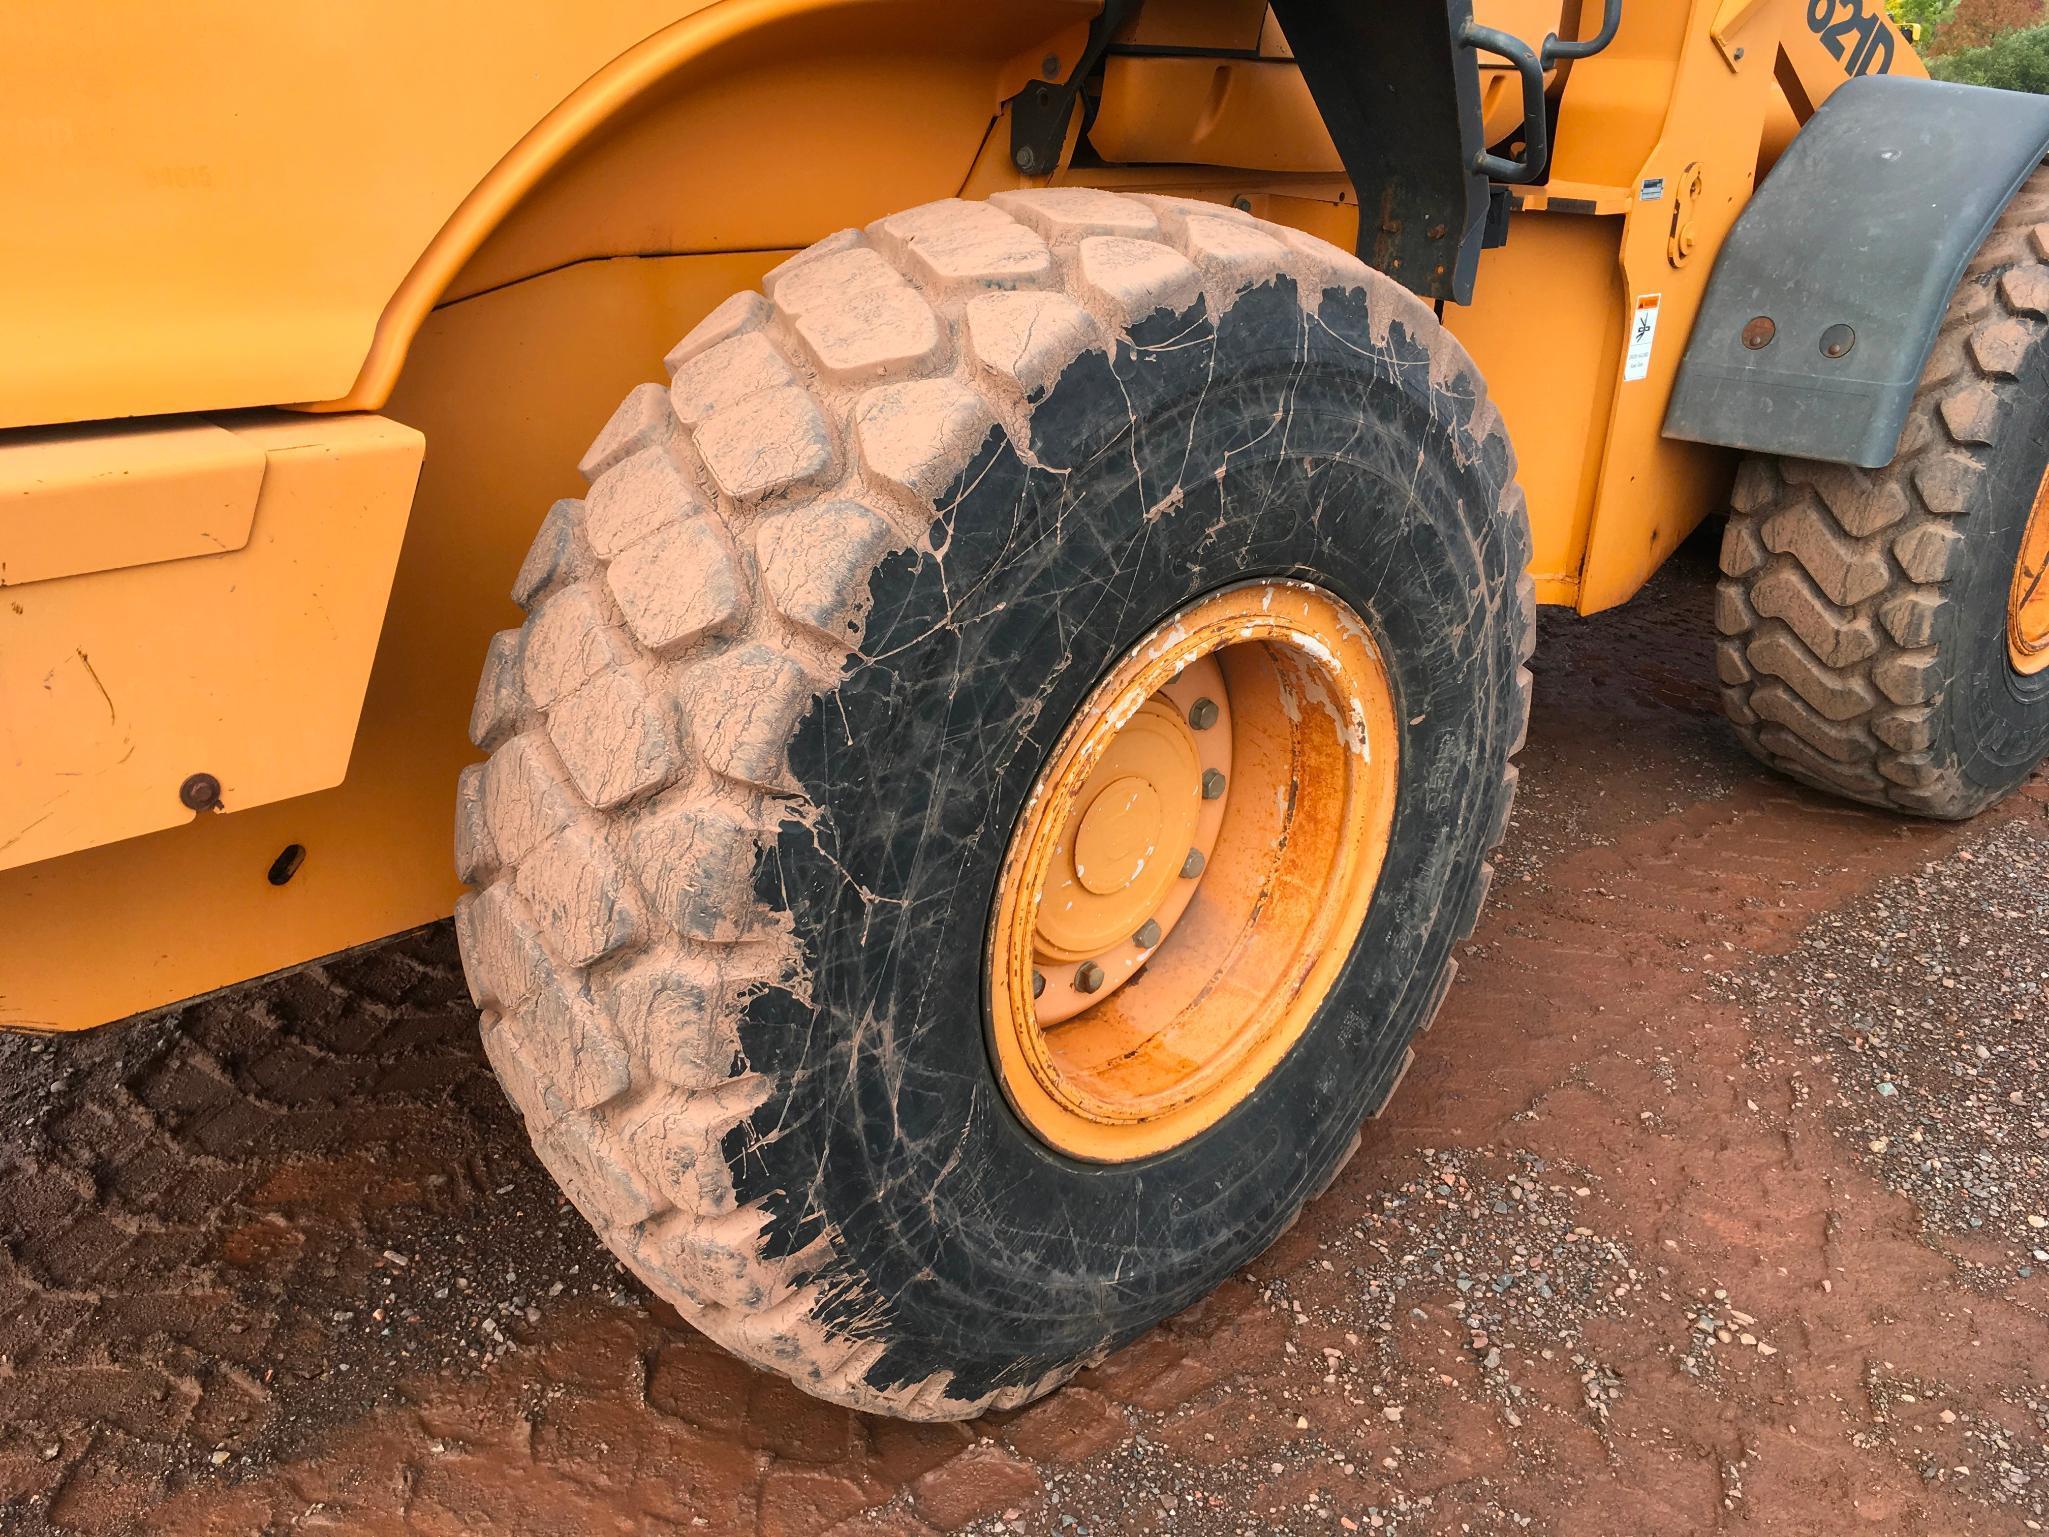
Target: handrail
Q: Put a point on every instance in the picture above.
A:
(1556, 48)
(1536, 123)
(1533, 64)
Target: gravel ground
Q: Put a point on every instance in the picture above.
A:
(1916, 1023)
(1715, 1200)
(1921, 1013)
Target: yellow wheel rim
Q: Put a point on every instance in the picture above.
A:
(2027, 610)
(1191, 870)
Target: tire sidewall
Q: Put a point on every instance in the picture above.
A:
(2000, 729)
(1272, 444)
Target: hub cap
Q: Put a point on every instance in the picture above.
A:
(2027, 611)
(1191, 869)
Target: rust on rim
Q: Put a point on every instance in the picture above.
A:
(1191, 869)
(2027, 609)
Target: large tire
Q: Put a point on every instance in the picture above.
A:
(1864, 612)
(790, 669)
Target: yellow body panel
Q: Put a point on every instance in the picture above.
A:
(1684, 105)
(1556, 276)
(489, 222)
(209, 206)
(80, 499)
(508, 392)
(247, 665)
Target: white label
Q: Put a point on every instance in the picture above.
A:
(1643, 335)
(1652, 190)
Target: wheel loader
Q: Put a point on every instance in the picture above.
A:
(1002, 547)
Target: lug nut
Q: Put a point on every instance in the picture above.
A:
(1088, 978)
(1212, 784)
(1038, 983)
(1147, 936)
(1191, 867)
(1202, 714)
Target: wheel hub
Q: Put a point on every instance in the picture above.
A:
(1191, 869)
(1119, 834)
(1115, 887)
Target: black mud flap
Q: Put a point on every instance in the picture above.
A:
(1824, 303)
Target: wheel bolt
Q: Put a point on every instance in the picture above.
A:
(1212, 784)
(1147, 936)
(1191, 867)
(1202, 714)
(1088, 978)
(1038, 983)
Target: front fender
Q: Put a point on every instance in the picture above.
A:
(1867, 222)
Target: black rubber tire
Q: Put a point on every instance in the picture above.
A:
(1863, 612)
(793, 665)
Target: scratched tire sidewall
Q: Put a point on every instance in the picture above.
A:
(1275, 443)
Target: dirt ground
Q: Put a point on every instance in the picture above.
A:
(1718, 1199)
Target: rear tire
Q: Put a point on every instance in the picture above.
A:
(792, 667)
(1864, 612)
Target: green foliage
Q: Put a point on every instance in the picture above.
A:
(2018, 61)
(1924, 13)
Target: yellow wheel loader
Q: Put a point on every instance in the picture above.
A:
(979, 776)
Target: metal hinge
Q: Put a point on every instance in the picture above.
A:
(1040, 113)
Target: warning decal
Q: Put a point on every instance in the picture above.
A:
(1643, 335)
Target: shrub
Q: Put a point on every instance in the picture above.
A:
(2018, 61)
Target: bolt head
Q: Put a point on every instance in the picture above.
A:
(1202, 714)
(200, 792)
(1242, 204)
(1837, 341)
(1024, 158)
(1050, 66)
(1191, 867)
(1088, 978)
(1038, 983)
(1212, 784)
(1148, 935)
(1759, 333)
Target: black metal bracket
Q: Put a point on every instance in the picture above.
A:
(1400, 93)
(1500, 204)
(1040, 113)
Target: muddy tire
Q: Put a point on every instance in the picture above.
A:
(1864, 613)
(790, 669)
